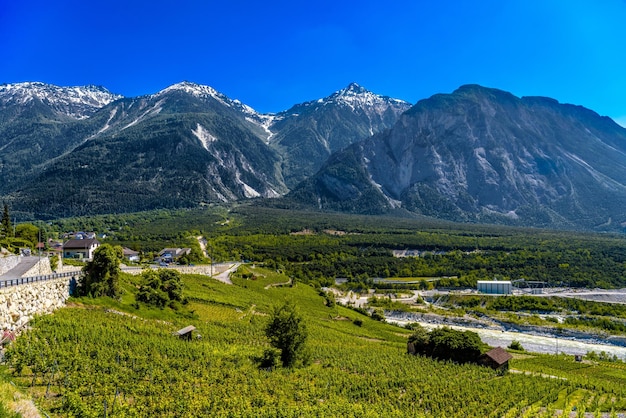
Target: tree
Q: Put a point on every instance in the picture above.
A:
(287, 332)
(447, 344)
(101, 275)
(161, 288)
(28, 232)
(6, 222)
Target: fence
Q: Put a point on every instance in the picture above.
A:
(34, 279)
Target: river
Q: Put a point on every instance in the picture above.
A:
(530, 342)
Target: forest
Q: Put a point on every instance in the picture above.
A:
(317, 247)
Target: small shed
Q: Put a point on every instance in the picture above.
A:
(497, 358)
(186, 333)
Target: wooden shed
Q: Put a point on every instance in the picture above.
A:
(497, 358)
(186, 333)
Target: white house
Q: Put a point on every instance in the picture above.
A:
(80, 248)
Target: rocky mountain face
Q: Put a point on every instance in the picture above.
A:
(308, 133)
(482, 154)
(180, 147)
(478, 154)
(39, 122)
(81, 150)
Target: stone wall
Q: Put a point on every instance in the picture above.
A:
(202, 269)
(18, 304)
(42, 268)
(7, 262)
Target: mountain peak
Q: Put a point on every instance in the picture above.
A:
(197, 90)
(353, 88)
(357, 96)
(76, 101)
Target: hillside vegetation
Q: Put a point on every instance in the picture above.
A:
(119, 358)
(319, 247)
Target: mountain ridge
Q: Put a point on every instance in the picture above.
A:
(481, 154)
(477, 154)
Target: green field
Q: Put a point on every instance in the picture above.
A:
(92, 357)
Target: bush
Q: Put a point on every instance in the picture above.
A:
(161, 288)
(447, 344)
(270, 359)
(516, 345)
(378, 315)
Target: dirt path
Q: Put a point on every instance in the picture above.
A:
(202, 241)
(287, 283)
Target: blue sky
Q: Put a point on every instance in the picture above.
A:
(273, 54)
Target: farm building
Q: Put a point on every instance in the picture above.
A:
(497, 359)
(495, 287)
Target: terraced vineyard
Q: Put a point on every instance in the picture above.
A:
(88, 360)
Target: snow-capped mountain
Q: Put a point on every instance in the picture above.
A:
(77, 102)
(484, 155)
(262, 121)
(358, 97)
(308, 133)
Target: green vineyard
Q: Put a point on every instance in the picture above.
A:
(88, 360)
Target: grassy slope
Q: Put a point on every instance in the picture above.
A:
(86, 358)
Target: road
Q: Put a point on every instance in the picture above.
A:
(224, 276)
(25, 264)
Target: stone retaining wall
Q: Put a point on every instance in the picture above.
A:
(42, 268)
(203, 269)
(18, 304)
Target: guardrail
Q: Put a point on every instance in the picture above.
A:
(34, 279)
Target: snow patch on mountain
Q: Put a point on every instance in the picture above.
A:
(152, 111)
(106, 125)
(356, 97)
(78, 102)
(263, 120)
(196, 90)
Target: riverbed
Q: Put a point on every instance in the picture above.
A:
(530, 342)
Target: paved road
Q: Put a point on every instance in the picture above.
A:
(225, 275)
(25, 264)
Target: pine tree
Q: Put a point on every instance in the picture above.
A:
(5, 226)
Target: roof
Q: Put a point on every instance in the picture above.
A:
(80, 243)
(175, 252)
(499, 355)
(128, 252)
(186, 330)
(493, 281)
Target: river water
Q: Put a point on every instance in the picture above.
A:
(530, 342)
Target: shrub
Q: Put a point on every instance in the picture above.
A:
(270, 359)
(378, 315)
(161, 288)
